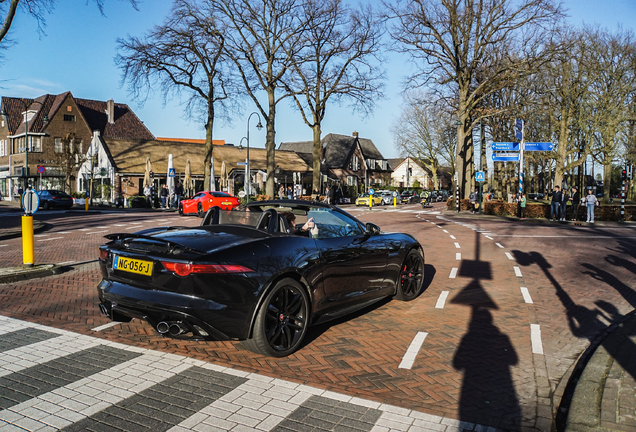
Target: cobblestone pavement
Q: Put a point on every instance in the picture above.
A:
(507, 310)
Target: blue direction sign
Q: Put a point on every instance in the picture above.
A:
(505, 146)
(519, 129)
(170, 172)
(505, 157)
(480, 176)
(538, 146)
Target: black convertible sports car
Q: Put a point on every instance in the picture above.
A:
(244, 274)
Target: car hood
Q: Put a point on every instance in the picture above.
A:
(200, 239)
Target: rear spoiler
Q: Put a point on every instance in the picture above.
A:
(171, 245)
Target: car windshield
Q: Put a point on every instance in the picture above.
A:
(219, 194)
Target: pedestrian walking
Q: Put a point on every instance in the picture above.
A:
(473, 201)
(590, 202)
(178, 193)
(289, 192)
(522, 205)
(164, 196)
(281, 192)
(327, 197)
(564, 200)
(575, 198)
(147, 193)
(555, 204)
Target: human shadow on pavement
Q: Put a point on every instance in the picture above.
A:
(485, 355)
(589, 323)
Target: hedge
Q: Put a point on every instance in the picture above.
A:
(501, 208)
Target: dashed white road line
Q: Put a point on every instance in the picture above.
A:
(453, 273)
(85, 229)
(3, 245)
(510, 257)
(119, 225)
(526, 295)
(458, 256)
(97, 232)
(52, 238)
(489, 238)
(453, 237)
(412, 351)
(441, 301)
(535, 337)
(457, 245)
(64, 232)
(517, 271)
(499, 245)
(446, 231)
(41, 235)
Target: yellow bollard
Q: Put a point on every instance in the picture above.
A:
(86, 204)
(370, 202)
(27, 241)
(395, 202)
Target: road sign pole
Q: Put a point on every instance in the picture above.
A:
(521, 149)
(27, 241)
(623, 190)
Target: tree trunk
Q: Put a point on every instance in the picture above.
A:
(607, 179)
(317, 156)
(208, 147)
(270, 144)
(562, 149)
(484, 160)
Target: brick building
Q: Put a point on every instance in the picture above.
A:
(36, 135)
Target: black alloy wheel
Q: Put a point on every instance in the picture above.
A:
(282, 320)
(199, 210)
(411, 276)
(47, 205)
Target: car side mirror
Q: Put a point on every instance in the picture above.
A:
(371, 228)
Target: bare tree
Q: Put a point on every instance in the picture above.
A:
(426, 132)
(335, 64)
(70, 159)
(36, 8)
(451, 39)
(262, 38)
(185, 53)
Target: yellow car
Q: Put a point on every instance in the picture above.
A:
(363, 200)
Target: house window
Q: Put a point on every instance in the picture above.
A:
(69, 117)
(3, 148)
(354, 164)
(59, 146)
(28, 115)
(80, 147)
(371, 163)
(35, 143)
(352, 181)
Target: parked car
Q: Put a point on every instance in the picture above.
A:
(363, 200)
(441, 195)
(244, 275)
(409, 197)
(201, 202)
(51, 199)
(387, 198)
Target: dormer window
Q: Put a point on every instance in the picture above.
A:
(371, 163)
(354, 164)
(28, 115)
(69, 117)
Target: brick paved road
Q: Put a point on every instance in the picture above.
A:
(488, 356)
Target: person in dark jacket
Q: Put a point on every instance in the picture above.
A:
(575, 198)
(164, 196)
(564, 200)
(555, 204)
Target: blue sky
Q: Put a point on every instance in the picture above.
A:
(77, 54)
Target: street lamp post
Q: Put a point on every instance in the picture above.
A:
(45, 120)
(259, 126)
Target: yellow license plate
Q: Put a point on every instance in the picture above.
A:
(226, 203)
(132, 265)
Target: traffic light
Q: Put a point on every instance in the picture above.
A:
(624, 174)
(152, 174)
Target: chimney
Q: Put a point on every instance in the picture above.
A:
(355, 134)
(110, 111)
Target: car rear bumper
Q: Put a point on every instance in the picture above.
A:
(198, 318)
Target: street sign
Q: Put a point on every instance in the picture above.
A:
(241, 163)
(241, 194)
(41, 169)
(371, 191)
(505, 157)
(538, 146)
(30, 201)
(505, 146)
(170, 172)
(103, 172)
(519, 129)
(395, 194)
(480, 176)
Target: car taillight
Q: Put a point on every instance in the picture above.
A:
(184, 269)
(103, 254)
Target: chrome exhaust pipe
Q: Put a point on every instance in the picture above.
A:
(163, 327)
(176, 329)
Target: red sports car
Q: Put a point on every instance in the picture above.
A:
(202, 201)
